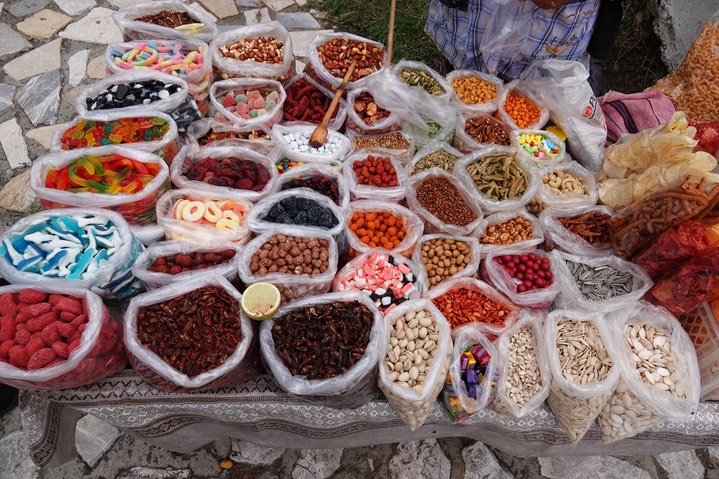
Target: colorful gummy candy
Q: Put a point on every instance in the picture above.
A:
(539, 146)
(248, 104)
(225, 215)
(111, 174)
(165, 57)
(91, 133)
(474, 367)
(231, 172)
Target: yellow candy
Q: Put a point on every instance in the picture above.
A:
(213, 213)
(193, 211)
(231, 215)
(179, 206)
(226, 224)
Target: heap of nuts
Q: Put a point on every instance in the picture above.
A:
(529, 270)
(291, 255)
(443, 200)
(508, 232)
(443, 258)
(376, 171)
(366, 108)
(653, 359)
(437, 159)
(625, 415)
(337, 56)
(261, 49)
(562, 183)
(524, 379)
(184, 262)
(233, 172)
(391, 141)
(592, 227)
(463, 305)
(413, 348)
(168, 18)
(194, 332)
(487, 130)
(421, 79)
(472, 90)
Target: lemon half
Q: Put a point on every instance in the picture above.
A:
(261, 301)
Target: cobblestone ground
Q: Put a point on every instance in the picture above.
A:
(49, 51)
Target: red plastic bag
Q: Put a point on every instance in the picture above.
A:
(708, 136)
(673, 247)
(697, 280)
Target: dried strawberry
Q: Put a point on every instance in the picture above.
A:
(5, 348)
(35, 344)
(41, 358)
(32, 296)
(7, 305)
(36, 309)
(65, 330)
(22, 337)
(18, 357)
(41, 322)
(60, 349)
(50, 334)
(7, 328)
(67, 304)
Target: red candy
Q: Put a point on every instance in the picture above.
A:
(31, 296)
(376, 171)
(533, 271)
(230, 172)
(41, 358)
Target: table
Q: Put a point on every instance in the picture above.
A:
(260, 412)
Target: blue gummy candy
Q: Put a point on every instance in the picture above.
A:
(27, 264)
(82, 263)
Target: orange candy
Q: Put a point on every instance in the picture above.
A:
(378, 229)
(522, 110)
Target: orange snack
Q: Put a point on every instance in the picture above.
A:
(522, 110)
(378, 229)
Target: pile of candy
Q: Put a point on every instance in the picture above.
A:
(298, 210)
(539, 146)
(474, 367)
(226, 215)
(300, 143)
(88, 133)
(165, 57)
(530, 271)
(248, 104)
(233, 172)
(111, 174)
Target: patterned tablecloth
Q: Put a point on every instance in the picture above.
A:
(260, 412)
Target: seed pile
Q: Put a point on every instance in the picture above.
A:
(582, 355)
(440, 159)
(597, 283)
(524, 378)
(422, 79)
(443, 258)
(653, 359)
(441, 198)
(413, 348)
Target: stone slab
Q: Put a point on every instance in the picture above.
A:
(93, 438)
(681, 465)
(40, 98)
(479, 462)
(25, 8)
(12, 42)
(317, 463)
(419, 459)
(16, 462)
(2, 7)
(43, 135)
(44, 24)
(257, 15)
(278, 5)
(17, 195)
(75, 7)
(298, 21)
(97, 27)
(203, 9)
(301, 3)
(77, 66)
(247, 4)
(245, 452)
(43, 59)
(14, 146)
(140, 472)
(125, 3)
(96, 68)
(221, 8)
(577, 467)
(301, 41)
(6, 94)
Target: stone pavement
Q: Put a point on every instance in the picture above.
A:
(49, 51)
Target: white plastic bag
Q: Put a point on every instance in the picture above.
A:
(397, 143)
(433, 147)
(560, 237)
(433, 224)
(490, 204)
(498, 218)
(356, 123)
(413, 406)
(637, 404)
(99, 354)
(113, 279)
(136, 208)
(223, 115)
(419, 90)
(279, 132)
(335, 123)
(519, 88)
(132, 29)
(505, 34)
(322, 74)
(413, 224)
(569, 200)
(571, 296)
(563, 88)
(257, 138)
(191, 155)
(576, 405)
(504, 402)
(191, 231)
(160, 249)
(498, 277)
(550, 161)
(351, 389)
(310, 172)
(292, 286)
(466, 143)
(358, 191)
(226, 67)
(242, 365)
(468, 271)
(486, 108)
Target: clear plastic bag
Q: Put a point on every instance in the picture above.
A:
(223, 115)
(340, 114)
(359, 191)
(414, 226)
(132, 29)
(536, 237)
(468, 271)
(197, 132)
(111, 280)
(433, 224)
(635, 404)
(571, 297)
(226, 67)
(505, 34)
(493, 205)
(154, 279)
(242, 365)
(576, 405)
(429, 149)
(486, 108)
(560, 237)
(357, 124)
(503, 402)
(191, 155)
(457, 400)
(414, 406)
(198, 79)
(559, 159)
(166, 147)
(396, 143)
(311, 171)
(279, 132)
(191, 231)
(352, 389)
(465, 143)
(136, 208)
(498, 277)
(100, 353)
(563, 89)
(318, 68)
(568, 200)
(520, 88)
(419, 90)
(292, 287)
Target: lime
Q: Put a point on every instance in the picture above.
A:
(261, 301)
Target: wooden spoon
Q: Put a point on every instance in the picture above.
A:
(319, 136)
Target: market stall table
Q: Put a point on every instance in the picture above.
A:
(260, 412)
